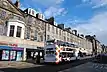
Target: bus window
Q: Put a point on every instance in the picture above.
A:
(63, 55)
(50, 52)
(50, 42)
(71, 55)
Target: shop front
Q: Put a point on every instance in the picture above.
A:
(34, 54)
(8, 53)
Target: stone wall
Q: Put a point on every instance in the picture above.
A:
(19, 41)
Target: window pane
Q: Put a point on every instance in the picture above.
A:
(56, 30)
(28, 33)
(41, 37)
(52, 29)
(12, 30)
(48, 37)
(18, 31)
(48, 27)
(36, 33)
(1, 29)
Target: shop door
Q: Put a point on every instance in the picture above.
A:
(19, 56)
(29, 53)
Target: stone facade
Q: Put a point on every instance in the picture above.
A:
(7, 11)
(54, 32)
(35, 29)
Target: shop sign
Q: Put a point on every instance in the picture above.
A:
(3, 43)
(8, 44)
(17, 48)
(13, 45)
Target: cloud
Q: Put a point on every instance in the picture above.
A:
(95, 3)
(98, 3)
(47, 7)
(95, 26)
(54, 8)
(48, 3)
(22, 7)
(54, 11)
(74, 21)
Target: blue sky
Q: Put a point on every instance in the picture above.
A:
(87, 16)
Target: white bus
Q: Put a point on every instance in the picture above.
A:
(57, 51)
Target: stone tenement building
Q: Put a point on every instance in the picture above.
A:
(12, 28)
(67, 35)
(23, 33)
(96, 45)
(14, 43)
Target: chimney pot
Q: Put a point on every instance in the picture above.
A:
(17, 3)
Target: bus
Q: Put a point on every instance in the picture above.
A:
(58, 51)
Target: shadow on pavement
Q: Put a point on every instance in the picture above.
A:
(48, 67)
(100, 59)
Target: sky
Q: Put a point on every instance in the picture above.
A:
(87, 16)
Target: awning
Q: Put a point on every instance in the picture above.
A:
(5, 47)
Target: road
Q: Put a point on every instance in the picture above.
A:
(48, 67)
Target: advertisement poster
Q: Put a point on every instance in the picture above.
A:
(19, 56)
(12, 55)
(5, 55)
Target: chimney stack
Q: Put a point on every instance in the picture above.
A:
(74, 31)
(82, 35)
(51, 20)
(78, 35)
(61, 26)
(17, 4)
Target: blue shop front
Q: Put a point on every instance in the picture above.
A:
(9, 53)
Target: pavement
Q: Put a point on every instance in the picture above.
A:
(15, 64)
(83, 65)
(45, 67)
(88, 67)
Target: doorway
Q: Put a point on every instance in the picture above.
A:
(0, 55)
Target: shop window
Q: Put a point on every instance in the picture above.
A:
(5, 55)
(18, 31)
(12, 27)
(12, 55)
